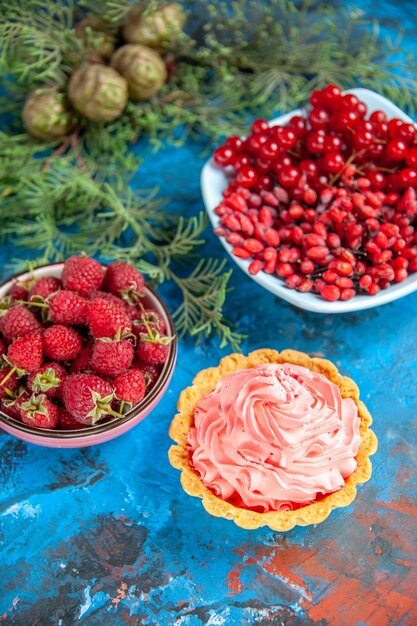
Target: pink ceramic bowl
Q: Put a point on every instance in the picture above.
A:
(101, 432)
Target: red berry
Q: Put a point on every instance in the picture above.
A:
(347, 294)
(255, 267)
(19, 322)
(130, 387)
(44, 287)
(287, 138)
(259, 126)
(26, 353)
(409, 177)
(405, 132)
(318, 117)
(411, 158)
(365, 281)
(331, 97)
(234, 142)
(81, 363)
(61, 343)
(317, 253)
(106, 319)
(305, 285)
(293, 281)
(396, 149)
(331, 293)
(307, 266)
(153, 352)
(87, 397)
(125, 281)
(47, 380)
(111, 358)
(39, 412)
(66, 421)
(400, 275)
(247, 176)
(315, 141)
(150, 372)
(298, 124)
(223, 156)
(67, 308)
(20, 289)
(288, 176)
(82, 274)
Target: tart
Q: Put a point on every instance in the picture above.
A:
(273, 439)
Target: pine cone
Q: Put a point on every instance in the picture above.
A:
(156, 29)
(98, 92)
(99, 42)
(143, 69)
(45, 115)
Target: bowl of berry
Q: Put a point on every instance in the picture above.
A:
(319, 206)
(87, 351)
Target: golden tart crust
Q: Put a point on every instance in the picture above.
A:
(205, 381)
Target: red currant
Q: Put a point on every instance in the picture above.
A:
(396, 149)
(298, 124)
(223, 156)
(287, 139)
(288, 176)
(318, 118)
(247, 176)
(259, 126)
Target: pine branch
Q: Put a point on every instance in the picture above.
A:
(204, 293)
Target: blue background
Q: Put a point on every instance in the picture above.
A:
(106, 535)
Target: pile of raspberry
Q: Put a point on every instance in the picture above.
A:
(327, 202)
(79, 349)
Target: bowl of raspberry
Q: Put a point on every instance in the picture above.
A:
(319, 206)
(87, 351)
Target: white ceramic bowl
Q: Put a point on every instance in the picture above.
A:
(213, 183)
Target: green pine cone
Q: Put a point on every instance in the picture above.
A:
(143, 69)
(45, 115)
(156, 29)
(99, 42)
(98, 92)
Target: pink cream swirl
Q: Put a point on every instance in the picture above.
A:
(274, 437)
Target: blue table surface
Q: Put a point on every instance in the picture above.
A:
(106, 535)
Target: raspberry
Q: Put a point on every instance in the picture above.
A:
(2, 347)
(81, 363)
(153, 353)
(87, 397)
(150, 372)
(48, 380)
(20, 289)
(111, 358)
(66, 421)
(124, 280)
(39, 412)
(67, 308)
(130, 387)
(12, 406)
(44, 287)
(106, 319)
(19, 322)
(26, 353)
(144, 319)
(105, 295)
(61, 343)
(8, 384)
(82, 274)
